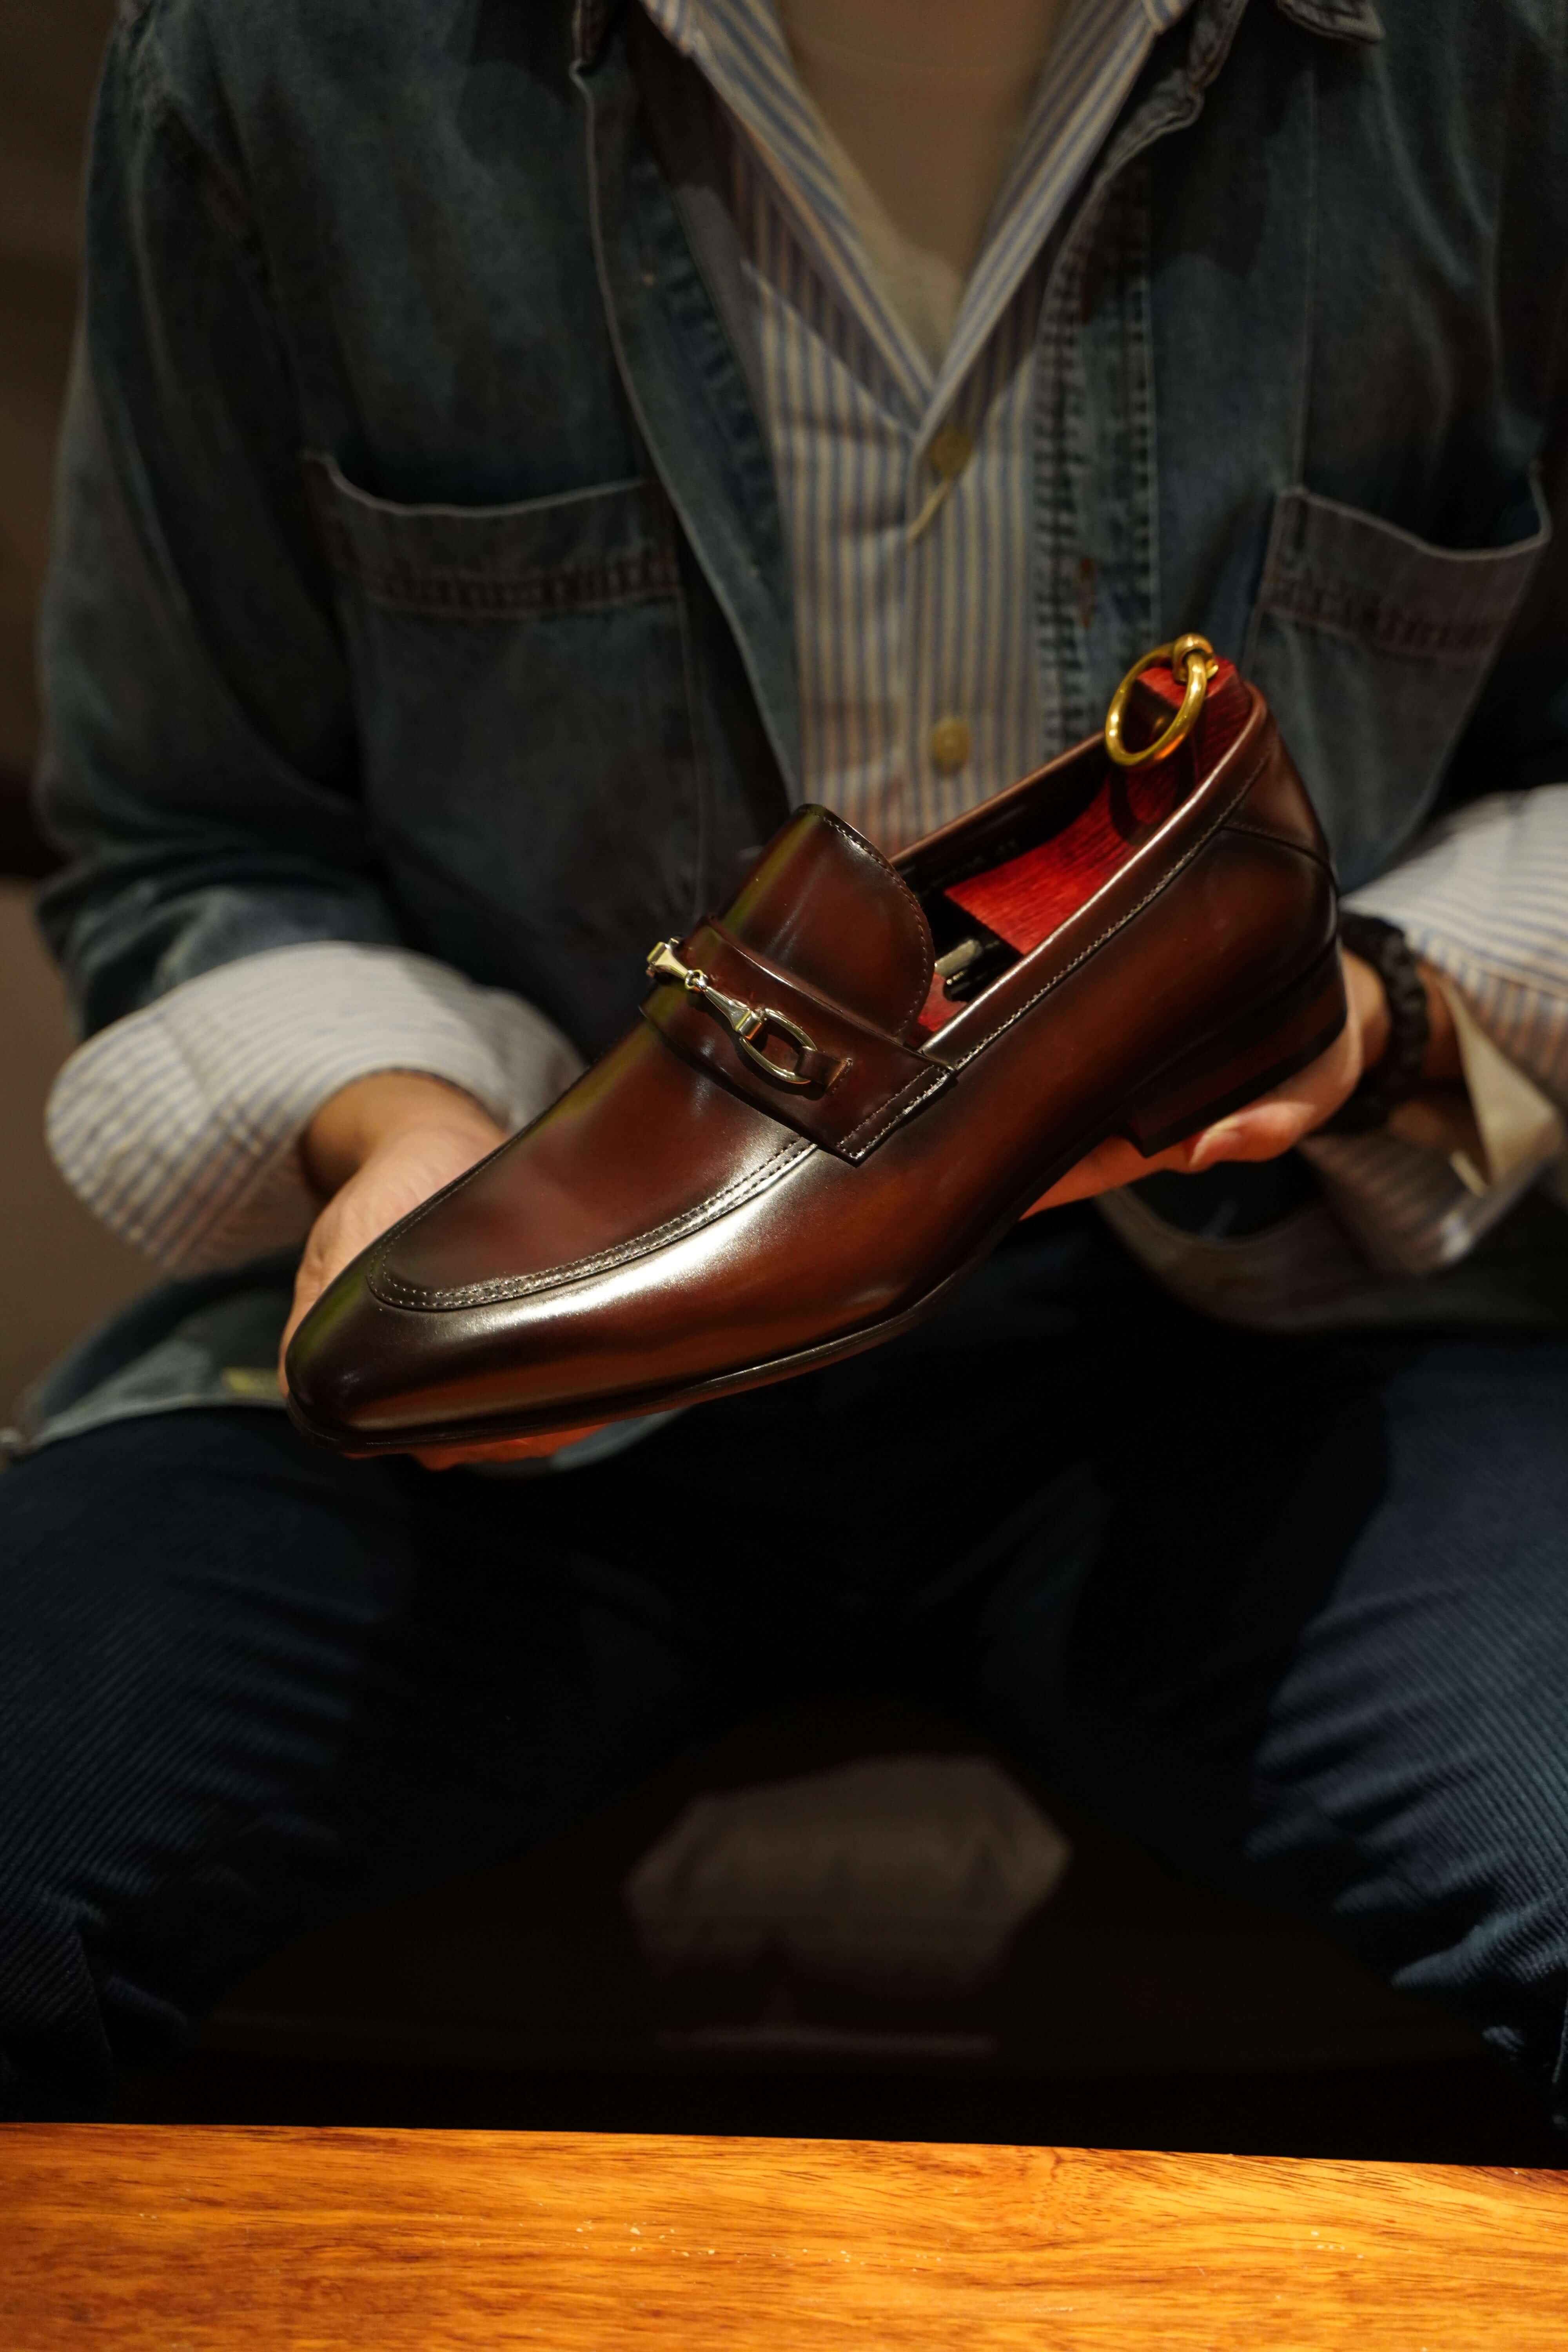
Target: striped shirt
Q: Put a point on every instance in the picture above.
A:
(905, 485)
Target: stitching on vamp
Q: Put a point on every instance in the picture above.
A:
(853, 1020)
(887, 1115)
(494, 1293)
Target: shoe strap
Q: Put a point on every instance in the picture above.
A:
(808, 1062)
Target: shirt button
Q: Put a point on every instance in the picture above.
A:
(949, 745)
(951, 451)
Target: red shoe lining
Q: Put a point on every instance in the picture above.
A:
(1029, 897)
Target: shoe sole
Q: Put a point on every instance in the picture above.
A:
(1205, 1083)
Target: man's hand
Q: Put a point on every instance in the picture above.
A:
(1275, 1122)
(375, 1150)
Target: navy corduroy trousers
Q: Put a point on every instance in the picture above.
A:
(1293, 1611)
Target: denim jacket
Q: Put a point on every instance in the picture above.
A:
(419, 575)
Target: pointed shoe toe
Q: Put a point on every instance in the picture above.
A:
(341, 1362)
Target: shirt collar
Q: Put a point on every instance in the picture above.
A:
(739, 46)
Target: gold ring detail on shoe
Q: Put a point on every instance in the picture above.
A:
(745, 1023)
(1193, 664)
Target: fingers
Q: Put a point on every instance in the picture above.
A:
(1278, 1121)
(1107, 1169)
(1275, 1123)
(398, 1174)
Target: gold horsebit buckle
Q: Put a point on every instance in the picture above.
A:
(1192, 664)
(746, 1022)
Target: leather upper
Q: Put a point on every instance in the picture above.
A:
(679, 1218)
(870, 1078)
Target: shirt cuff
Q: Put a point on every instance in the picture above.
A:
(1421, 1194)
(1407, 1206)
(179, 1126)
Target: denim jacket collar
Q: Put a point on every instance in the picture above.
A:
(1339, 20)
(1214, 22)
(591, 24)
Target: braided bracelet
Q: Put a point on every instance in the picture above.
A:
(1395, 1076)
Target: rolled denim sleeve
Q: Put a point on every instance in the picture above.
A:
(199, 765)
(231, 953)
(179, 1124)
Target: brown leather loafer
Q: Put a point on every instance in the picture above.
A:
(844, 1091)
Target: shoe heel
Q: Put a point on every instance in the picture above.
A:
(1250, 1056)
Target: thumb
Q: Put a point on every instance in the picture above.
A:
(311, 1279)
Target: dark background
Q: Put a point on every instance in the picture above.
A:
(48, 58)
(57, 1270)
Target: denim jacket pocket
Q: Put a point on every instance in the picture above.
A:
(525, 732)
(1372, 646)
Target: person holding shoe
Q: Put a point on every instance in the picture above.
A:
(515, 455)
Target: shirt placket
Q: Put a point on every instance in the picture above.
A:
(916, 654)
(938, 731)
(972, 719)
